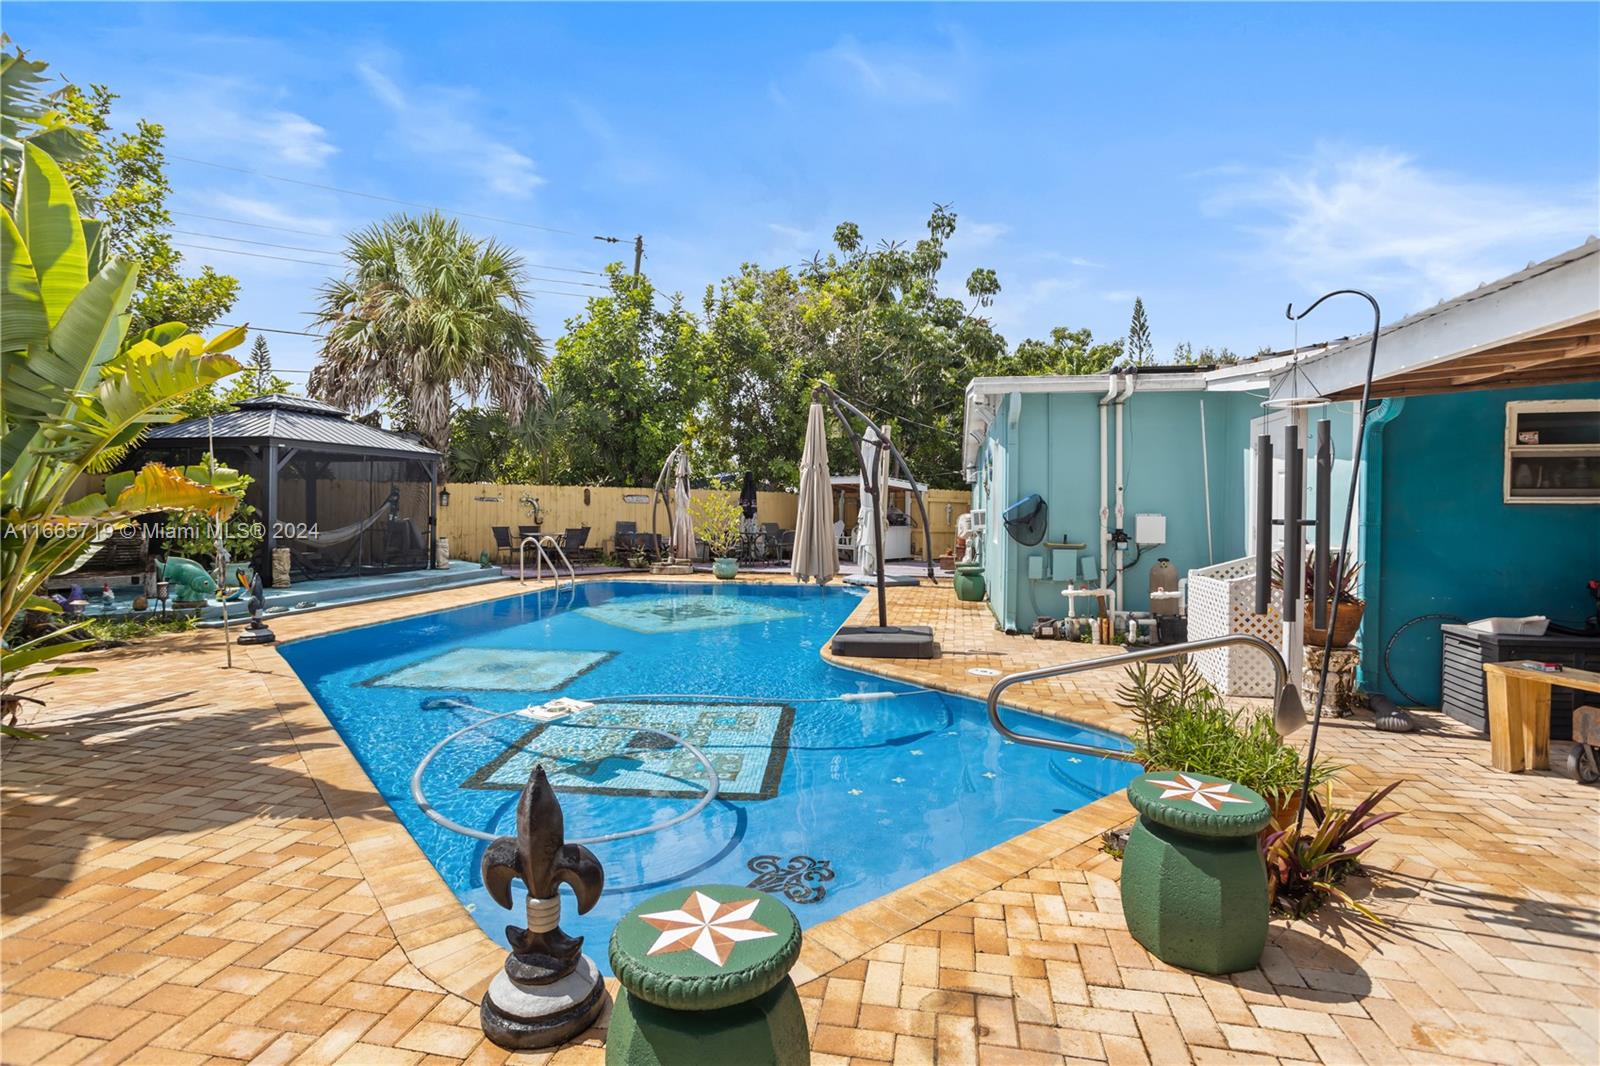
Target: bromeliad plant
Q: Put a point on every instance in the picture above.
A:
(1305, 865)
(77, 397)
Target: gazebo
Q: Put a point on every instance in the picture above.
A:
(344, 497)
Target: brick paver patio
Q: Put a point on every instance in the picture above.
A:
(197, 870)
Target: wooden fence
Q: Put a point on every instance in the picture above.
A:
(477, 507)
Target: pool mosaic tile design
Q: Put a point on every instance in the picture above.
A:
(677, 614)
(495, 670)
(608, 750)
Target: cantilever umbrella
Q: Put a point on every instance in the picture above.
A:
(874, 504)
(682, 523)
(816, 551)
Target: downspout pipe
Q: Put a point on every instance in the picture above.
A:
(1131, 382)
(1370, 475)
(1112, 386)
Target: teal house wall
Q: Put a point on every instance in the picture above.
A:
(1444, 541)
(1051, 446)
(1432, 530)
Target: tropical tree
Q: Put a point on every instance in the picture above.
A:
(423, 311)
(630, 379)
(1068, 351)
(118, 179)
(77, 398)
(258, 368)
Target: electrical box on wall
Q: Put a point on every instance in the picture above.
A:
(1036, 567)
(1150, 529)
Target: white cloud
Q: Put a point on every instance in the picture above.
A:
(268, 213)
(972, 236)
(898, 74)
(221, 117)
(437, 122)
(1119, 296)
(1378, 219)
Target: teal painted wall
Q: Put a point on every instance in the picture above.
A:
(1054, 450)
(1448, 542)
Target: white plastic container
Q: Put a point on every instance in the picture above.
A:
(1533, 625)
(1222, 601)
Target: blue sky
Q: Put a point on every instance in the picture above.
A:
(1218, 161)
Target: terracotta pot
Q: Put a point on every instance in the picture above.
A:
(1345, 624)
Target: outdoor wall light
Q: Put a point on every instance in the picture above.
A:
(444, 497)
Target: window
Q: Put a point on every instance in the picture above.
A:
(1553, 451)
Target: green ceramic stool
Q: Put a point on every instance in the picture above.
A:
(705, 979)
(1194, 887)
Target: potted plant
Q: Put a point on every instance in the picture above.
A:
(1347, 620)
(718, 521)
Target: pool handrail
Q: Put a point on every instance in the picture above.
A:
(539, 543)
(1289, 712)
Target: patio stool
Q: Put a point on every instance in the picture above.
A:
(705, 979)
(1194, 887)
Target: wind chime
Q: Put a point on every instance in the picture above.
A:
(1327, 568)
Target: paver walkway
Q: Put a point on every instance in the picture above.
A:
(193, 873)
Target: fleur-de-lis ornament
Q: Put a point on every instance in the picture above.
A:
(540, 856)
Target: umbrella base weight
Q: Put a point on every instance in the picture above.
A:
(889, 580)
(886, 642)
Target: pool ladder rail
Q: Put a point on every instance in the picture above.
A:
(1289, 712)
(539, 544)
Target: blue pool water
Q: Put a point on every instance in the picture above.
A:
(828, 802)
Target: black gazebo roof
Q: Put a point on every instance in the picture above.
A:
(297, 421)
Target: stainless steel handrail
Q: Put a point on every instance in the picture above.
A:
(1289, 713)
(538, 574)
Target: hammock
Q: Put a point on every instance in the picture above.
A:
(334, 537)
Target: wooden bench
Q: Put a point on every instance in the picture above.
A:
(1519, 712)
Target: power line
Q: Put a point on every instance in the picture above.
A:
(325, 251)
(262, 244)
(376, 196)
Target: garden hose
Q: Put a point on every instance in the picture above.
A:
(1444, 619)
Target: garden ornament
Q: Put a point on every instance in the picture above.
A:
(186, 579)
(257, 632)
(549, 991)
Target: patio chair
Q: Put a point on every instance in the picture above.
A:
(770, 536)
(502, 542)
(786, 545)
(624, 539)
(524, 532)
(573, 542)
(843, 541)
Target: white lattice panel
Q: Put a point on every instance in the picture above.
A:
(1222, 601)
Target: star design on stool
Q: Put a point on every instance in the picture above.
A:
(706, 927)
(1209, 796)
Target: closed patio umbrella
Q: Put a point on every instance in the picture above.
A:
(816, 553)
(747, 494)
(873, 511)
(682, 523)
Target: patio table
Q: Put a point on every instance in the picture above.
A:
(1519, 712)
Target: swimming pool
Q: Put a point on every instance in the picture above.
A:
(828, 802)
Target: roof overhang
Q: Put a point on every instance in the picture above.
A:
(1538, 326)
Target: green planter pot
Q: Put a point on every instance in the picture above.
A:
(726, 569)
(705, 980)
(968, 582)
(1194, 886)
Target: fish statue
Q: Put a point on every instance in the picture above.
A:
(540, 856)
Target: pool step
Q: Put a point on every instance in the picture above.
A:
(365, 591)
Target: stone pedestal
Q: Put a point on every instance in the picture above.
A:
(280, 568)
(528, 1008)
(1343, 696)
(705, 977)
(441, 553)
(1194, 887)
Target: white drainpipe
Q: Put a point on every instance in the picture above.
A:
(1132, 382)
(1112, 386)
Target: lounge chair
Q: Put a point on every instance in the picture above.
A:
(624, 539)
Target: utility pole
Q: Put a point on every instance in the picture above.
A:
(638, 253)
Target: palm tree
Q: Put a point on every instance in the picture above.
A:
(425, 310)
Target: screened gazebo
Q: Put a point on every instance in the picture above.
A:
(344, 497)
